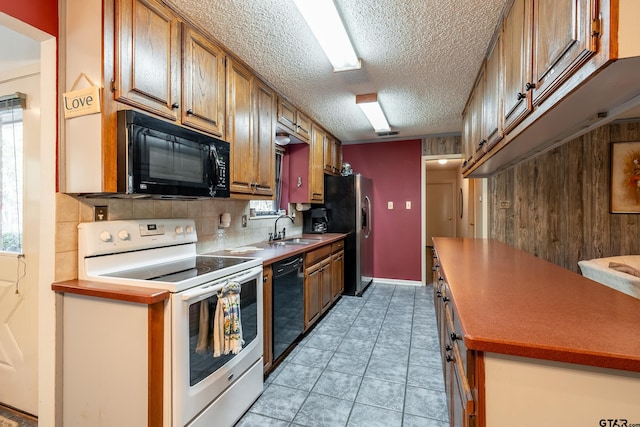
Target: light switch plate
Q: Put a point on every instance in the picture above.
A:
(408, 204)
(389, 205)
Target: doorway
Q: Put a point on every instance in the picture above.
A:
(27, 304)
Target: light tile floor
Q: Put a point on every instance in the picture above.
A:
(371, 361)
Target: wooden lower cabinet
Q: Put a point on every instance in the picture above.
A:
(337, 274)
(323, 280)
(267, 315)
(460, 366)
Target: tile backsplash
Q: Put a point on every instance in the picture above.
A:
(70, 211)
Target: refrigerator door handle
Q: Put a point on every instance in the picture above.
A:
(367, 221)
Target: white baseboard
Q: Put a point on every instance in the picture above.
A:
(397, 282)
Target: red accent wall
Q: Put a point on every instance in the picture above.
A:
(42, 14)
(395, 170)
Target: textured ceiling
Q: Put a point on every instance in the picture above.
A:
(420, 56)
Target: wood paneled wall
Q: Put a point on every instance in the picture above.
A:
(441, 145)
(557, 207)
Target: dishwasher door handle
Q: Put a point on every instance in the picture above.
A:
(282, 267)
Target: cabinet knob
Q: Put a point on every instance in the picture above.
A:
(175, 105)
(521, 96)
(450, 358)
(448, 347)
(264, 280)
(446, 299)
(484, 141)
(190, 112)
(530, 86)
(438, 294)
(455, 337)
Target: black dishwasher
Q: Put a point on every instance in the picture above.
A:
(288, 303)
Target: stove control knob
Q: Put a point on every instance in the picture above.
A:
(189, 229)
(123, 235)
(179, 229)
(105, 236)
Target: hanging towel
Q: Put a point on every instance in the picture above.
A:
(203, 327)
(227, 329)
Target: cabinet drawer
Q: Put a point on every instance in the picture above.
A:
(337, 246)
(316, 255)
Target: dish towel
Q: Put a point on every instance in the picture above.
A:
(227, 329)
(203, 327)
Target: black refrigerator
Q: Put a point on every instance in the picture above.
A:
(348, 200)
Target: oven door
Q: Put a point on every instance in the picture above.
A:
(198, 377)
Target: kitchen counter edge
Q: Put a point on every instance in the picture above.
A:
(511, 302)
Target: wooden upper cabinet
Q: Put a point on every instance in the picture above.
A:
(265, 124)
(250, 131)
(477, 138)
(293, 120)
(147, 73)
(491, 130)
(516, 63)
(203, 79)
(562, 42)
(332, 155)
(240, 133)
(316, 165)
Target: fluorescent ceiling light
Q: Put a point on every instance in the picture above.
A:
(325, 23)
(371, 109)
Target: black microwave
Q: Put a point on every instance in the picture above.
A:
(161, 159)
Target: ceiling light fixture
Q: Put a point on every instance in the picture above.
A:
(325, 23)
(282, 138)
(442, 161)
(371, 108)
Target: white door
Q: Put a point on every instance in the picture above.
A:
(440, 211)
(19, 301)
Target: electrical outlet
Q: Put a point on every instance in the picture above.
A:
(505, 204)
(244, 220)
(100, 213)
(389, 205)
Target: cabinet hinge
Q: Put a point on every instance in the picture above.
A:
(113, 85)
(224, 62)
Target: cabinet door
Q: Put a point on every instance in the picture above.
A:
(148, 57)
(336, 156)
(491, 105)
(267, 315)
(287, 115)
(461, 403)
(337, 274)
(476, 117)
(316, 169)
(240, 87)
(561, 42)
(312, 280)
(303, 126)
(326, 296)
(202, 83)
(265, 154)
(516, 63)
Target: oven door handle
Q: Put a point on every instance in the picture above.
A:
(213, 287)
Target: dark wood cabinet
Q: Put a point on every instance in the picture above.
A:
(491, 128)
(323, 280)
(516, 63)
(312, 288)
(147, 72)
(332, 155)
(562, 42)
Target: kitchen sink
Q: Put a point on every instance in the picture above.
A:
(295, 241)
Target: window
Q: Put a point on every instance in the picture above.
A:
(271, 207)
(11, 150)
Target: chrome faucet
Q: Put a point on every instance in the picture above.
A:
(279, 235)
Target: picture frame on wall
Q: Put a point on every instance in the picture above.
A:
(625, 177)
